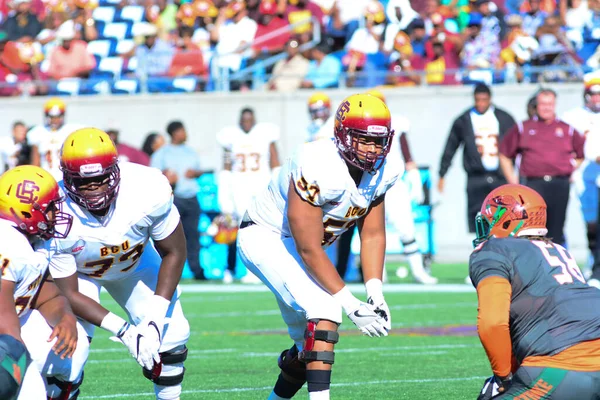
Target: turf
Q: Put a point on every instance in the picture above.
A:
(432, 353)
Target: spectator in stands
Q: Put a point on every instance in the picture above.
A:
(233, 33)
(405, 64)
(162, 15)
(433, 19)
(400, 15)
(439, 61)
(14, 149)
(479, 130)
(591, 29)
(22, 60)
(561, 143)
(206, 13)
(518, 49)
(187, 60)
(181, 165)
(154, 55)
(127, 152)
(481, 50)
(368, 39)
(344, 17)
(152, 143)
(85, 26)
(418, 37)
(23, 25)
(289, 73)
(574, 18)
(324, 70)
(492, 19)
(7, 75)
(269, 22)
(533, 18)
(299, 10)
(70, 59)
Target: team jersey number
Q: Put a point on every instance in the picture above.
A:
(487, 145)
(310, 191)
(3, 264)
(247, 162)
(21, 304)
(105, 264)
(564, 261)
(330, 237)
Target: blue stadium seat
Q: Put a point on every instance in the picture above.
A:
(124, 46)
(117, 30)
(187, 84)
(110, 3)
(102, 48)
(68, 86)
(110, 66)
(160, 84)
(104, 14)
(131, 13)
(126, 86)
(93, 86)
(130, 66)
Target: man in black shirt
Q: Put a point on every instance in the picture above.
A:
(479, 130)
(24, 25)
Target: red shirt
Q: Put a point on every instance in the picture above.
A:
(131, 154)
(545, 148)
(276, 43)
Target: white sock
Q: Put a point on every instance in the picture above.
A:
(321, 395)
(167, 392)
(273, 396)
(415, 260)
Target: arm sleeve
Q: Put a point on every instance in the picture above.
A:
(452, 144)
(62, 264)
(405, 148)
(493, 295)
(488, 262)
(578, 143)
(509, 145)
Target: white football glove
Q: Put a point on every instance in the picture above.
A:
(142, 348)
(363, 315)
(376, 299)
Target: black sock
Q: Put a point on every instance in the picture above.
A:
(318, 380)
(286, 389)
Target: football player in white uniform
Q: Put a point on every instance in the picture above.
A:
(116, 213)
(586, 120)
(326, 188)
(398, 199)
(319, 109)
(47, 139)
(32, 310)
(249, 156)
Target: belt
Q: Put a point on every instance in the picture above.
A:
(546, 178)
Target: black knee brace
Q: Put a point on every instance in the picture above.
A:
(592, 236)
(310, 336)
(170, 357)
(289, 364)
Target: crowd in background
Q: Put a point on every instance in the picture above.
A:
(321, 43)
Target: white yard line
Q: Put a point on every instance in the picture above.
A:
(256, 389)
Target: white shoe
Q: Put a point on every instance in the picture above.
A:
(425, 278)
(227, 277)
(250, 278)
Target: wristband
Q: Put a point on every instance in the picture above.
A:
(347, 300)
(113, 323)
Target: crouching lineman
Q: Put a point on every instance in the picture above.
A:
(32, 311)
(537, 317)
(319, 193)
(117, 209)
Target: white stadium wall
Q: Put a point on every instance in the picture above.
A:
(430, 110)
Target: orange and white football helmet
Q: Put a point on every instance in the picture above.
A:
(511, 210)
(319, 106)
(31, 199)
(88, 155)
(363, 117)
(54, 113)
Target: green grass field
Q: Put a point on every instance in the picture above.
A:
(433, 352)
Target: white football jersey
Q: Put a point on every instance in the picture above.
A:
(20, 264)
(8, 153)
(250, 157)
(321, 177)
(587, 123)
(110, 247)
(49, 143)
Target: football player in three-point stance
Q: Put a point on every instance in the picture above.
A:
(46, 139)
(32, 310)
(116, 213)
(326, 188)
(538, 320)
(250, 155)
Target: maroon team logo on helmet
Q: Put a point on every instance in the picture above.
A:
(514, 208)
(26, 192)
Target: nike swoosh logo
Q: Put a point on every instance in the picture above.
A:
(152, 323)
(139, 336)
(356, 314)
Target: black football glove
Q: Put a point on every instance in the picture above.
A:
(495, 386)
